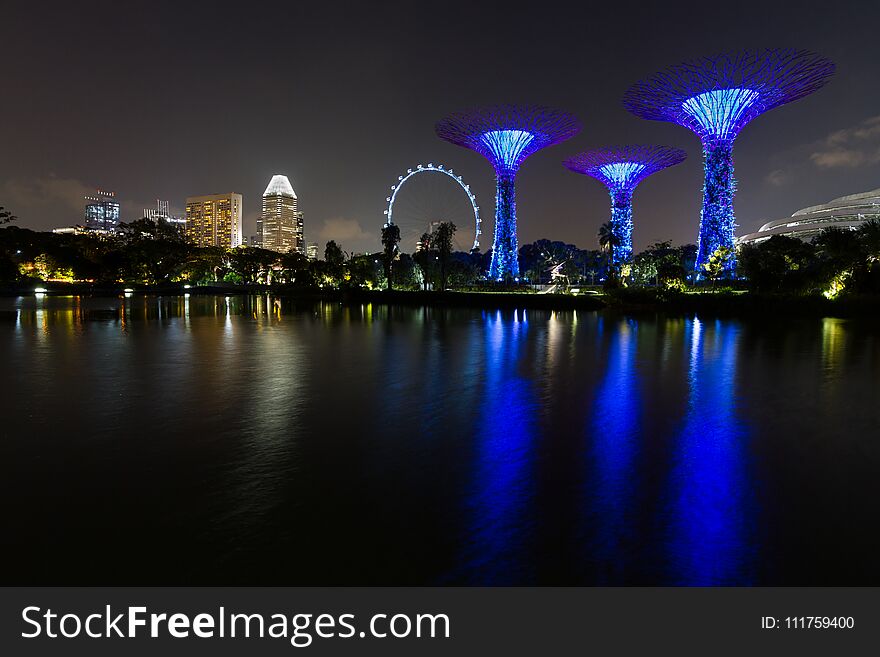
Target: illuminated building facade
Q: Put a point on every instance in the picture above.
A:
(716, 97)
(102, 211)
(214, 220)
(280, 225)
(312, 251)
(847, 212)
(506, 135)
(162, 212)
(621, 169)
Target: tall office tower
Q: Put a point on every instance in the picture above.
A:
(102, 211)
(280, 226)
(312, 251)
(162, 212)
(214, 220)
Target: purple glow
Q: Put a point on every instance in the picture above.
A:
(716, 97)
(621, 169)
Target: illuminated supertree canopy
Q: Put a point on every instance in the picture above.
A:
(506, 135)
(621, 169)
(716, 97)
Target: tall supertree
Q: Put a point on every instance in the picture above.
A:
(506, 135)
(716, 97)
(621, 169)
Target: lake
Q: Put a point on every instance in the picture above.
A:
(256, 440)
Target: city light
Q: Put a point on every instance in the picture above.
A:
(719, 113)
(507, 146)
(716, 97)
(389, 211)
(624, 174)
(506, 135)
(621, 169)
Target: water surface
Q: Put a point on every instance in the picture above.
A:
(178, 440)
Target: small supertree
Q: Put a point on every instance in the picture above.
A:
(716, 97)
(506, 135)
(621, 169)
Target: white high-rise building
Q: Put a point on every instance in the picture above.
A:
(280, 225)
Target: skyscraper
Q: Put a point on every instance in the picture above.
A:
(280, 226)
(102, 211)
(214, 220)
(162, 212)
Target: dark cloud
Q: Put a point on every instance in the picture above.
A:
(850, 147)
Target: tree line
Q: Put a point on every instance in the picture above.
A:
(837, 261)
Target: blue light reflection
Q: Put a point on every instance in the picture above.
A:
(503, 482)
(616, 428)
(711, 505)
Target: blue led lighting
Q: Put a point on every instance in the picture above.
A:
(505, 247)
(622, 223)
(717, 220)
(506, 135)
(621, 169)
(623, 174)
(507, 147)
(720, 114)
(716, 97)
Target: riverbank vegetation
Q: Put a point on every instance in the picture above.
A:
(837, 264)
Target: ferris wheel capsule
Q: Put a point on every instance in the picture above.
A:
(421, 168)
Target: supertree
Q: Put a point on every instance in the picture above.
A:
(621, 169)
(506, 135)
(716, 97)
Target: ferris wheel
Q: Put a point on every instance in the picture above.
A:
(431, 199)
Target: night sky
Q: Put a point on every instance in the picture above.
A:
(168, 100)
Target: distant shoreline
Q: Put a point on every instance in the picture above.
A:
(722, 304)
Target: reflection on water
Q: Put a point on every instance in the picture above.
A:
(503, 486)
(616, 440)
(263, 440)
(711, 512)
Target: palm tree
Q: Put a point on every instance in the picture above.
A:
(390, 240)
(608, 241)
(869, 236)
